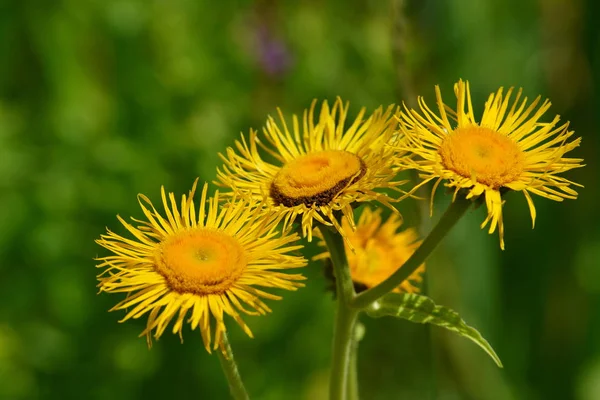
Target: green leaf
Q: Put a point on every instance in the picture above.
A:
(422, 310)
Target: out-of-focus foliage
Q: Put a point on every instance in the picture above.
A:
(101, 100)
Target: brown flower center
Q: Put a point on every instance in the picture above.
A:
(316, 178)
(200, 261)
(483, 155)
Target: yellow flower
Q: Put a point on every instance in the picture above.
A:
(509, 149)
(379, 250)
(318, 168)
(204, 264)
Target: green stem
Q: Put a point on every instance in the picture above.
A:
(342, 351)
(345, 316)
(401, 40)
(353, 393)
(236, 386)
(454, 212)
(343, 280)
(353, 373)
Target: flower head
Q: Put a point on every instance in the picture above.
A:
(204, 264)
(319, 167)
(379, 250)
(508, 149)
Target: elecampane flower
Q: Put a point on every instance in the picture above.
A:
(204, 264)
(319, 167)
(379, 250)
(508, 149)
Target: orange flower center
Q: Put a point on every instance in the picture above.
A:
(483, 155)
(316, 178)
(201, 261)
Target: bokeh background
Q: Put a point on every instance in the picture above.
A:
(101, 100)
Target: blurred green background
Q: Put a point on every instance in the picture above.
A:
(101, 100)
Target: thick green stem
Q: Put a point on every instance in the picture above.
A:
(342, 351)
(401, 41)
(454, 212)
(353, 393)
(353, 373)
(337, 251)
(236, 386)
(343, 336)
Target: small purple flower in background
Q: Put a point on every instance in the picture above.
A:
(273, 54)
